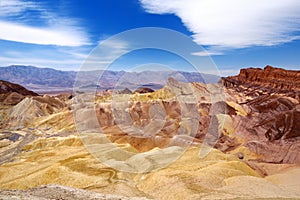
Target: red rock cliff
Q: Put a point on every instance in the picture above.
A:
(276, 78)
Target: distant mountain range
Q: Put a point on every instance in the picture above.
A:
(47, 79)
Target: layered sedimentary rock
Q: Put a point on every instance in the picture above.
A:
(251, 123)
(6, 87)
(242, 118)
(32, 108)
(65, 161)
(271, 127)
(53, 191)
(143, 90)
(269, 78)
(11, 94)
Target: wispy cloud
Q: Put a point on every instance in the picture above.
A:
(207, 53)
(59, 57)
(231, 24)
(63, 36)
(52, 30)
(63, 57)
(106, 53)
(15, 7)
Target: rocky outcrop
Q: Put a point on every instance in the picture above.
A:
(7, 87)
(269, 77)
(143, 90)
(11, 98)
(279, 116)
(12, 94)
(33, 107)
(256, 125)
(270, 129)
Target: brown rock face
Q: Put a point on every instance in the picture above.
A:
(7, 87)
(278, 115)
(12, 94)
(143, 90)
(255, 127)
(271, 128)
(269, 77)
(11, 98)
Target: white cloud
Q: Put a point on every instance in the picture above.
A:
(207, 53)
(113, 47)
(58, 57)
(45, 36)
(63, 57)
(234, 23)
(54, 30)
(106, 53)
(14, 7)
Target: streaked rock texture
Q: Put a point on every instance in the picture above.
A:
(270, 129)
(7, 87)
(240, 141)
(11, 94)
(269, 78)
(65, 161)
(50, 192)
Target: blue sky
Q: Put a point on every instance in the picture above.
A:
(236, 34)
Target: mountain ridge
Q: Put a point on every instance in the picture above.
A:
(37, 79)
(268, 77)
(8, 87)
(253, 134)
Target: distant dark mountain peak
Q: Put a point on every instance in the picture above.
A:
(7, 87)
(12, 94)
(125, 91)
(143, 90)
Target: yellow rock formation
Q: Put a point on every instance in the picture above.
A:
(65, 161)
